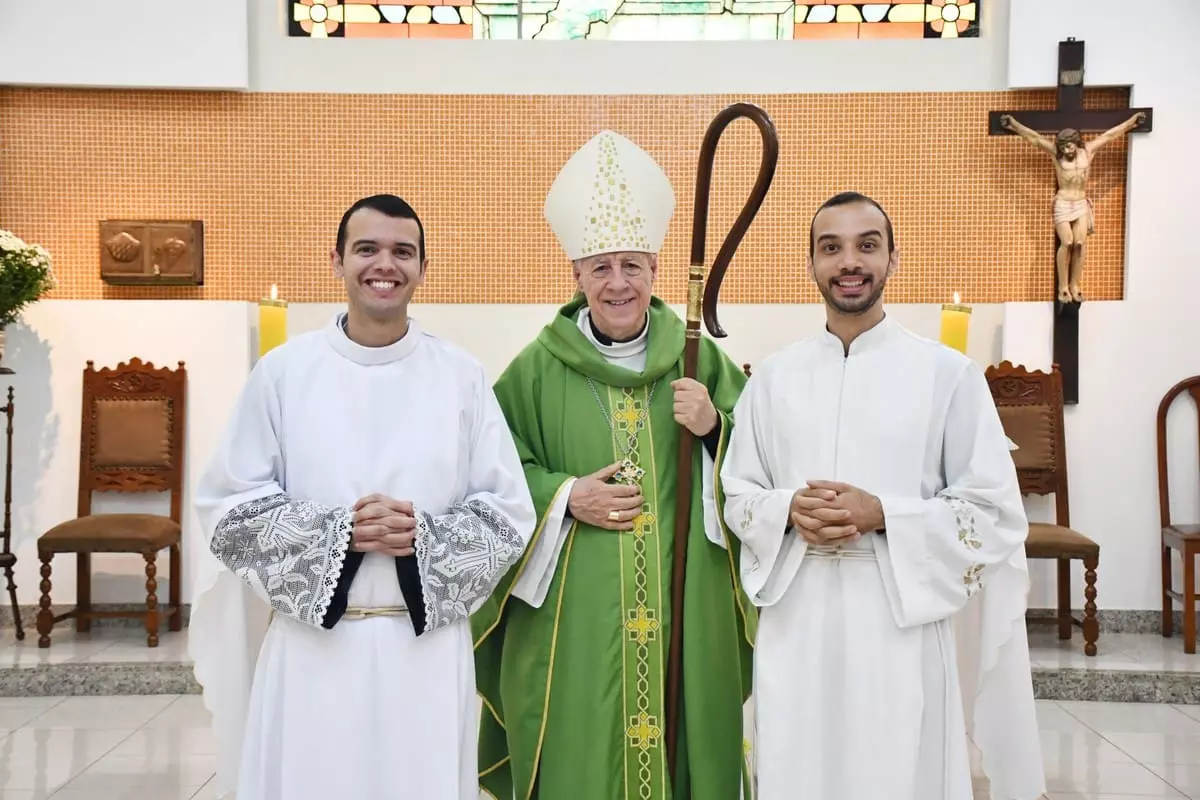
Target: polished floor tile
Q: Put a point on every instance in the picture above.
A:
(160, 747)
(1139, 652)
(1118, 651)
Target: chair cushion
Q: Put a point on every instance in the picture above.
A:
(1055, 541)
(111, 533)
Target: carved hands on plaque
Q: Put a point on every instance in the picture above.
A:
(152, 252)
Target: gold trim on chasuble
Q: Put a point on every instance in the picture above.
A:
(642, 656)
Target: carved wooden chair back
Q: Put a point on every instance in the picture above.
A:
(1030, 405)
(1192, 386)
(132, 437)
(1184, 537)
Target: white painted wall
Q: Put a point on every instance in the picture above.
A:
(218, 343)
(235, 44)
(1132, 351)
(180, 44)
(412, 66)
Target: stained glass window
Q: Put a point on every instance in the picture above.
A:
(647, 20)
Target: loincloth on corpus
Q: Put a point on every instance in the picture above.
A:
(1071, 210)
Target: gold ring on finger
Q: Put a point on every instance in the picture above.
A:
(613, 516)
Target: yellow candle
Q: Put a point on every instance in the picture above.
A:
(272, 322)
(956, 319)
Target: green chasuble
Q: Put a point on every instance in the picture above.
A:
(574, 692)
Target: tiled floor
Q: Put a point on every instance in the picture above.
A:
(1118, 651)
(155, 747)
(160, 748)
(124, 645)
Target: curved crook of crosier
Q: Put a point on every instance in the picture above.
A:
(766, 173)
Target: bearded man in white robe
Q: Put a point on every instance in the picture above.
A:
(366, 500)
(872, 486)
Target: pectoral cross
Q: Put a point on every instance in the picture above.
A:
(1069, 113)
(629, 473)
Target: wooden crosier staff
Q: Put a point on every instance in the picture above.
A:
(691, 348)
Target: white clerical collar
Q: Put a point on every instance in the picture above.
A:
(335, 333)
(866, 340)
(617, 349)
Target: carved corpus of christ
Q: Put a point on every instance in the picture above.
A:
(1072, 211)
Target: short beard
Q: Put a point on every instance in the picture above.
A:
(861, 305)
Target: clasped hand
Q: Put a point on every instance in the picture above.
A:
(383, 525)
(828, 513)
(612, 506)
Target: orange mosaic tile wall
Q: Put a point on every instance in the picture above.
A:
(270, 174)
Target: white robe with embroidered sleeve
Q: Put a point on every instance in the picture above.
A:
(860, 684)
(310, 702)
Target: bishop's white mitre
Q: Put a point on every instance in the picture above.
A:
(611, 196)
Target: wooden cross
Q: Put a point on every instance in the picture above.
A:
(1069, 113)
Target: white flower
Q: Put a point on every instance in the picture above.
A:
(10, 242)
(16, 254)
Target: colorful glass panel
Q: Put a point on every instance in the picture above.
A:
(647, 20)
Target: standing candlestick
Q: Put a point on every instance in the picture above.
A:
(272, 322)
(956, 320)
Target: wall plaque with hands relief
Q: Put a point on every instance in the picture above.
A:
(152, 252)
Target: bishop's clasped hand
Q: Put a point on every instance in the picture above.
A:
(612, 506)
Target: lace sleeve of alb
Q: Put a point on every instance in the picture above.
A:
(293, 552)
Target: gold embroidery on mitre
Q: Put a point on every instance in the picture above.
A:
(613, 221)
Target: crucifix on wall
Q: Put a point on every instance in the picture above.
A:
(1072, 210)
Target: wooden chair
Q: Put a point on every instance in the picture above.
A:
(131, 440)
(1176, 536)
(1030, 404)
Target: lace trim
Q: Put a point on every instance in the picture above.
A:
(461, 556)
(295, 549)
